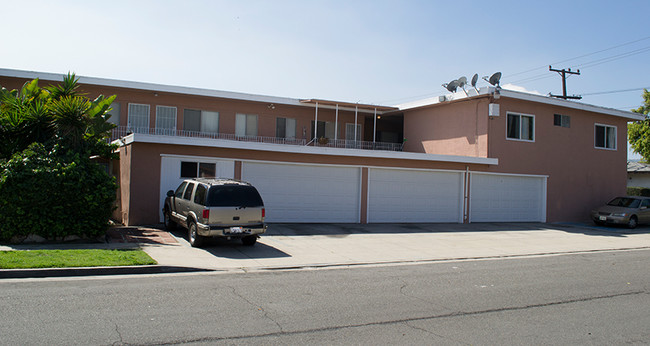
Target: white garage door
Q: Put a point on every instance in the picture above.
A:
(306, 193)
(507, 198)
(414, 196)
(170, 172)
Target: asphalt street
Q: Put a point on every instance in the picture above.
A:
(586, 298)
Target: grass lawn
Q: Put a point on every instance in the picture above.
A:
(21, 259)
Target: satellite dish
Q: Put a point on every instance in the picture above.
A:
(462, 81)
(474, 80)
(495, 79)
(451, 86)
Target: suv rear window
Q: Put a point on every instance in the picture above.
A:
(233, 196)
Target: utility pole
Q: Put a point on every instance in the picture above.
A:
(563, 73)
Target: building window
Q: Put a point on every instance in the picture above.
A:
(200, 121)
(246, 124)
(115, 114)
(521, 127)
(138, 120)
(325, 129)
(605, 137)
(165, 120)
(198, 169)
(285, 128)
(561, 120)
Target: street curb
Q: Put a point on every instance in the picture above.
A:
(96, 271)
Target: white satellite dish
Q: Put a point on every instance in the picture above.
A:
(462, 81)
(494, 79)
(451, 86)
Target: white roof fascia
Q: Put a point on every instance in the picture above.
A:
(300, 149)
(526, 97)
(169, 88)
(571, 104)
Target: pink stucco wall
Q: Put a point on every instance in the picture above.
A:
(459, 128)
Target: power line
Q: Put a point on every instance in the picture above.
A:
(581, 56)
(614, 91)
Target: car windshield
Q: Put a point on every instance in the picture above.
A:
(625, 202)
(234, 196)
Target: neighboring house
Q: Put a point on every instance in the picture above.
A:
(638, 174)
(493, 155)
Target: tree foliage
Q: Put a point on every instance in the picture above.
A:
(638, 133)
(49, 185)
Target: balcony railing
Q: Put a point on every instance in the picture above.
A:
(122, 131)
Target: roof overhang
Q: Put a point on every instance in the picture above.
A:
(301, 149)
(366, 108)
(492, 91)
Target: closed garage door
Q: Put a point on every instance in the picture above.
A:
(306, 193)
(507, 198)
(414, 196)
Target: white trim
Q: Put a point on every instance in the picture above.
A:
(486, 91)
(615, 139)
(224, 143)
(167, 88)
(520, 127)
(511, 174)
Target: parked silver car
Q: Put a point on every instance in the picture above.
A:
(629, 211)
(225, 208)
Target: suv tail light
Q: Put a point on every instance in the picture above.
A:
(263, 212)
(206, 213)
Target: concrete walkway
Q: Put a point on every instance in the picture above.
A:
(287, 246)
(315, 245)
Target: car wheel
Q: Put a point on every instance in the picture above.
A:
(169, 224)
(633, 222)
(249, 240)
(193, 236)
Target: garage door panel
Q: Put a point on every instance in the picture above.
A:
(306, 193)
(414, 196)
(504, 198)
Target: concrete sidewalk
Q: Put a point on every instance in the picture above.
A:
(317, 245)
(323, 245)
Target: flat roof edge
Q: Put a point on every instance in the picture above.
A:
(296, 149)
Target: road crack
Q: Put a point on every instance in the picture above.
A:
(393, 322)
(259, 308)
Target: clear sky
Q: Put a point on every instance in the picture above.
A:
(377, 52)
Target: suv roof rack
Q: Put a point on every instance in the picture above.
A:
(220, 181)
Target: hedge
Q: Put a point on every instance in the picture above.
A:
(638, 191)
(54, 195)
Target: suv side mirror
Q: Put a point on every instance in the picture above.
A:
(170, 193)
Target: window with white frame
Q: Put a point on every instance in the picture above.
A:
(200, 121)
(165, 120)
(605, 137)
(285, 128)
(138, 118)
(325, 129)
(521, 127)
(245, 124)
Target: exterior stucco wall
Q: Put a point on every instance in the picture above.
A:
(140, 189)
(580, 176)
(458, 128)
(227, 109)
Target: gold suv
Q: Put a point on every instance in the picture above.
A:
(224, 208)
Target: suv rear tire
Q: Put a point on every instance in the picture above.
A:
(193, 236)
(249, 240)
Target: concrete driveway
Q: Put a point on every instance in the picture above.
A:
(321, 245)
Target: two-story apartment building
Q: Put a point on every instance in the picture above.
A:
(492, 155)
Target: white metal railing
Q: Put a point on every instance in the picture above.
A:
(122, 131)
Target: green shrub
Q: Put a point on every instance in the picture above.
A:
(638, 191)
(54, 195)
